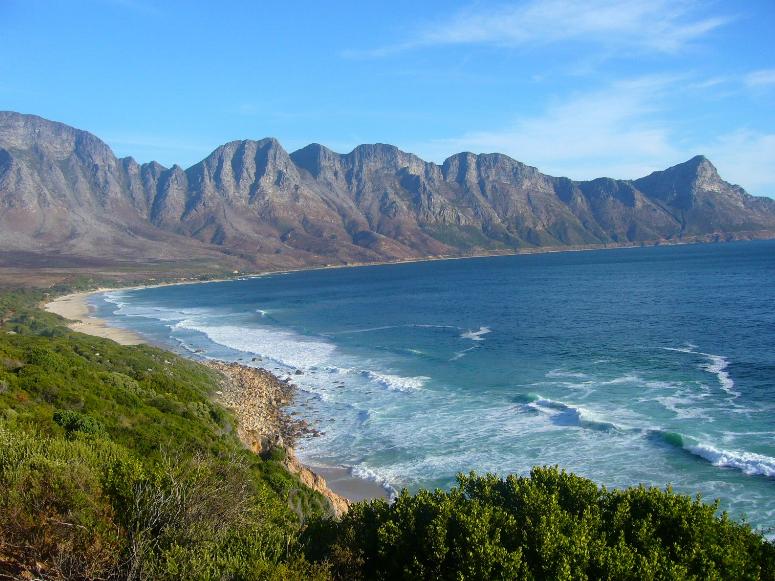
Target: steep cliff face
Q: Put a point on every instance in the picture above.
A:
(702, 202)
(62, 190)
(54, 180)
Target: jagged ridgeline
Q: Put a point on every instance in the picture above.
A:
(63, 191)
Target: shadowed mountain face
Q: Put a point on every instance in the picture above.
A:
(251, 203)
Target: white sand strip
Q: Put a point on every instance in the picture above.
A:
(75, 308)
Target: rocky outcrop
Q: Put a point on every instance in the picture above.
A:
(339, 504)
(251, 203)
(259, 398)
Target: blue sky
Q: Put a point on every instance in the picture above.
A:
(614, 88)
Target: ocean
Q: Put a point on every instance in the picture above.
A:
(648, 365)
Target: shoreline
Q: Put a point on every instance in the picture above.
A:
(263, 423)
(354, 489)
(75, 306)
(76, 309)
(688, 241)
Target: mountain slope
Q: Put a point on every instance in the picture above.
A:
(63, 191)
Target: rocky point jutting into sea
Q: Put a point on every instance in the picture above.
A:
(259, 399)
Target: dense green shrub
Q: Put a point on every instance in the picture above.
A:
(73, 421)
(87, 508)
(58, 501)
(549, 526)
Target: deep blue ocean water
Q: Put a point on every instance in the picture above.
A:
(652, 365)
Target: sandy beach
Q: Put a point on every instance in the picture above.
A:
(345, 484)
(75, 308)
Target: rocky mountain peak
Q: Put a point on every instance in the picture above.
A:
(707, 177)
(51, 139)
(461, 168)
(380, 156)
(679, 185)
(316, 158)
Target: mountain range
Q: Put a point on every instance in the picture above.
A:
(253, 205)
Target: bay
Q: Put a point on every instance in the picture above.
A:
(649, 365)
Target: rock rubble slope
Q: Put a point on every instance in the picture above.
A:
(259, 400)
(63, 191)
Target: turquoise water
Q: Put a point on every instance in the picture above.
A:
(650, 365)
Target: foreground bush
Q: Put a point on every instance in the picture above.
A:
(551, 526)
(85, 508)
(55, 508)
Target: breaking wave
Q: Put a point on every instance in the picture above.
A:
(562, 414)
(475, 335)
(396, 382)
(284, 347)
(749, 462)
(717, 365)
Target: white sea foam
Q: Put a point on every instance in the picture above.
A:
(475, 335)
(166, 315)
(748, 462)
(284, 347)
(559, 374)
(685, 408)
(661, 385)
(631, 378)
(682, 349)
(717, 365)
(368, 330)
(396, 382)
(366, 473)
(116, 297)
(462, 353)
(563, 414)
(341, 370)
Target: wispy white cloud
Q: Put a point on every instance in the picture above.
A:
(760, 78)
(621, 132)
(737, 84)
(586, 136)
(657, 25)
(747, 158)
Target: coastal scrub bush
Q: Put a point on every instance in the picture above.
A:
(121, 381)
(196, 517)
(549, 526)
(142, 396)
(58, 499)
(73, 421)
